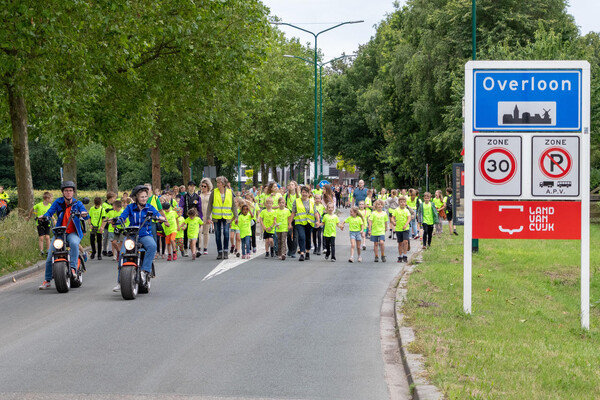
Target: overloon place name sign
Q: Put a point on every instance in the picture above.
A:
(526, 100)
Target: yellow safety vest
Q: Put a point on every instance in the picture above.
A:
(220, 209)
(302, 217)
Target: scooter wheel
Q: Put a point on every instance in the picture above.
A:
(129, 282)
(60, 270)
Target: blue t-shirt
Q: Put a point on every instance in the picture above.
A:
(360, 195)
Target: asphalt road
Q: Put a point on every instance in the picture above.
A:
(262, 329)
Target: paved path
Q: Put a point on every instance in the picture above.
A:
(264, 329)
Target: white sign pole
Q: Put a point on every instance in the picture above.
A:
(585, 201)
(469, 184)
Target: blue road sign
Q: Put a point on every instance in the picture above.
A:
(521, 100)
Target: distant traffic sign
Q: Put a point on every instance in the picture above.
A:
(555, 166)
(498, 166)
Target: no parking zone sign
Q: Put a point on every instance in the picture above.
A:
(527, 156)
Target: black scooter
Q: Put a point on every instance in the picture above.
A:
(63, 275)
(133, 280)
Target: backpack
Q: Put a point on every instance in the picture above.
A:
(449, 203)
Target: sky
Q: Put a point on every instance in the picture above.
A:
(318, 15)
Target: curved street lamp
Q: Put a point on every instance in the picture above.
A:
(320, 105)
(316, 63)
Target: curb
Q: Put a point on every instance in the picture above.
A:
(13, 277)
(414, 368)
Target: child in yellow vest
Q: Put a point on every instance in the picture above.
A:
(245, 225)
(282, 215)
(115, 229)
(234, 231)
(193, 222)
(378, 222)
(180, 232)
(317, 233)
(170, 231)
(356, 224)
(330, 222)
(365, 213)
(43, 225)
(401, 221)
(268, 221)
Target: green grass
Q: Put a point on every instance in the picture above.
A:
(523, 339)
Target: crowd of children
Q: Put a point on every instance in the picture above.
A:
(289, 220)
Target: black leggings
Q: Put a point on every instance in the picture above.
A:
(317, 238)
(161, 244)
(329, 246)
(96, 239)
(427, 234)
(253, 229)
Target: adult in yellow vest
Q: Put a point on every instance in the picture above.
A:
(305, 216)
(221, 212)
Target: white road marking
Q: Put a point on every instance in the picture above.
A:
(230, 263)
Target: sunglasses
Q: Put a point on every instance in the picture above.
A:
(203, 186)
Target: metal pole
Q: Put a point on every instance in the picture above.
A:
(316, 35)
(474, 241)
(316, 118)
(321, 116)
(474, 28)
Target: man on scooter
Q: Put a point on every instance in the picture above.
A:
(64, 206)
(137, 212)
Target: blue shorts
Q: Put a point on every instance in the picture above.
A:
(376, 239)
(356, 235)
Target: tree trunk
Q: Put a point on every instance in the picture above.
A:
(70, 160)
(255, 176)
(381, 178)
(185, 166)
(18, 119)
(156, 181)
(110, 166)
(264, 173)
(275, 174)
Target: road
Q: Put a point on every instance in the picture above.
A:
(263, 329)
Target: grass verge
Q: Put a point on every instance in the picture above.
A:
(523, 340)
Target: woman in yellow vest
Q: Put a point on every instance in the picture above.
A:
(305, 217)
(221, 212)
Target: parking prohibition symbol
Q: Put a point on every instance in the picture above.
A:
(498, 166)
(555, 162)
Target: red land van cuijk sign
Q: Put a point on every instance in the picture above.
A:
(527, 219)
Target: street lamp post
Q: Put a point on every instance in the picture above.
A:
(320, 147)
(316, 35)
(321, 105)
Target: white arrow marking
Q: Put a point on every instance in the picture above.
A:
(229, 264)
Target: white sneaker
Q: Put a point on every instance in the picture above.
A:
(115, 258)
(117, 288)
(359, 259)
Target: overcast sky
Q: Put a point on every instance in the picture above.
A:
(317, 15)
